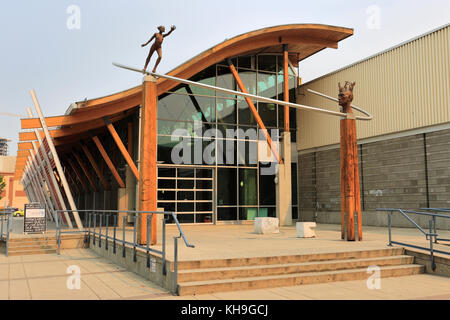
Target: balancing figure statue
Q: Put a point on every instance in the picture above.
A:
(159, 38)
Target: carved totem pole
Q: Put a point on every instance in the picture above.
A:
(350, 191)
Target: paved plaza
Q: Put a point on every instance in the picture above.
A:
(46, 276)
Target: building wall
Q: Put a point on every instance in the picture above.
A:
(404, 88)
(13, 194)
(409, 172)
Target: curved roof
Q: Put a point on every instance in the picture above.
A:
(303, 40)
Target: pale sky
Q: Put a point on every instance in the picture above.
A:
(65, 65)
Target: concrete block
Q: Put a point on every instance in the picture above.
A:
(267, 225)
(306, 229)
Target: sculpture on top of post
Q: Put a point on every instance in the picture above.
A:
(157, 46)
(350, 189)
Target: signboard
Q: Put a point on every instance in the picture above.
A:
(35, 220)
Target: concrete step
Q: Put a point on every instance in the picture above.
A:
(15, 252)
(289, 268)
(287, 280)
(34, 246)
(276, 260)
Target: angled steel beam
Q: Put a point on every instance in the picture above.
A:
(121, 147)
(108, 161)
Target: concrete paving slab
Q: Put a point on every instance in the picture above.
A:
(4, 290)
(43, 268)
(19, 290)
(56, 289)
(16, 271)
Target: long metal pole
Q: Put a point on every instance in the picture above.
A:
(57, 162)
(51, 174)
(246, 95)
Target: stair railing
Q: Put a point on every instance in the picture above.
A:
(98, 226)
(430, 235)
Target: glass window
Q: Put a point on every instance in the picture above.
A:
(226, 214)
(248, 214)
(226, 152)
(268, 114)
(225, 80)
(166, 184)
(247, 62)
(203, 218)
(226, 111)
(267, 85)
(248, 187)
(267, 63)
(186, 173)
(294, 184)
(167, 172)
(249, 80)
(207, 76)
(166, 195)
(165, 147)
(226, 187)
(185, 184)
(185, 207)
(185, 218)
(270, 212)
(245, 114)
(267, 192)
(247, 153)
(185, 195)
(182, 107)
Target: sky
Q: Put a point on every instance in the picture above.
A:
(65, 49)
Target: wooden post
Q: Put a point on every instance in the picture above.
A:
(286, 86)
(148, 171)
(350, 193)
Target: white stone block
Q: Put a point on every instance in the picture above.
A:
(267, 225)
(306, 229)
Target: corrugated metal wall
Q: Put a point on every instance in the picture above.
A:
(404, 88)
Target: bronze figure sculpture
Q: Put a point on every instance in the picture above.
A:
(159, 38)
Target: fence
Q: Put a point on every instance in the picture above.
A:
(430, 235)
(99, 224)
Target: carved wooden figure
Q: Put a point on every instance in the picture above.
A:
(350, 191)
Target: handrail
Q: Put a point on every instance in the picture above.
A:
(134, 244)
(431, 236)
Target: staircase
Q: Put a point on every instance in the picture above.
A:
(209, 276)
(43, 245)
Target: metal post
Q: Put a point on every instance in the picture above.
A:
(51, 174)
(434, 228)
(164, 270)
(115, 227)
(175, 265)
(134, 238)
(95, 224)
(433, 266)
(100, 230)
(107, 223)
(57, 162)
(148, 241)
(89, 230)
(7, 233)
(389, 228)
(124, 222)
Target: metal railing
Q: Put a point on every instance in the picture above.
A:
(5, 228)
(103, 217)
(430, 235)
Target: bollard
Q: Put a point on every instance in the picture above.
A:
(107, 226)
(123, 251)
(115, 227)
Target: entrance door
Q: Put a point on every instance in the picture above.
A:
(188, 192)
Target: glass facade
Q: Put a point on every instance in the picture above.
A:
(216, 137)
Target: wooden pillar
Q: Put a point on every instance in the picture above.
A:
(147, 165)
(286, 86)
(348, 139)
